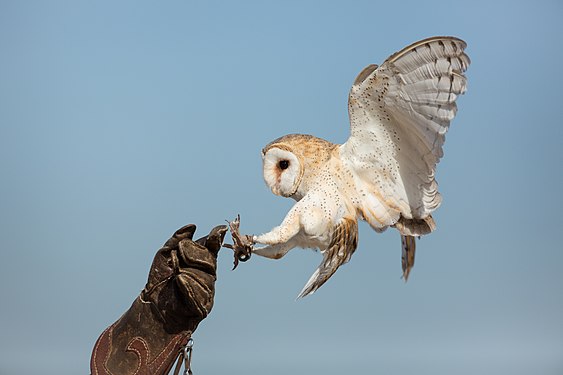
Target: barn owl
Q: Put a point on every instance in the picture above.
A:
(384, 173)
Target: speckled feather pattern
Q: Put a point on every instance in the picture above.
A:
(384, 173)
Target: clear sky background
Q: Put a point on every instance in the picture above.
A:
(122, 121)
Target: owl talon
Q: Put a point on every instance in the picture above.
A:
(242, 244)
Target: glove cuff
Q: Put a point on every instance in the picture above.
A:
(137, 344)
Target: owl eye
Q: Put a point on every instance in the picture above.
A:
(283, 164)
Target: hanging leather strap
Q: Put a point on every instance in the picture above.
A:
(185, 355)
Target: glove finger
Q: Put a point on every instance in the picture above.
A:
(194, 255)
(214, 240)
(198, 288)
(187, 231)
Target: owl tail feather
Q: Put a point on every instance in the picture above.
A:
(407, 258)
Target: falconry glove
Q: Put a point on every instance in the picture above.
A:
(178, 295)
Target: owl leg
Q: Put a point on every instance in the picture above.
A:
(274, 251)
(281, 239)
(283, 233)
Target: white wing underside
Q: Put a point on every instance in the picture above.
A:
(399, 115)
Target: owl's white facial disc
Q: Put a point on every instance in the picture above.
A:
(282, 171)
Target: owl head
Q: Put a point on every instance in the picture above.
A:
(288, 163)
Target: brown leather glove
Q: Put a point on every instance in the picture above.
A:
(179, 293)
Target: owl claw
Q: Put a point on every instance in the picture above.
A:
(242, 246)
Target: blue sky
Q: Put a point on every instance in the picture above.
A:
(122, 121)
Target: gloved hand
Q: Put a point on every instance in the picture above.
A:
(178, 295)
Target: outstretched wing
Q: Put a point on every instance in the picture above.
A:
(343, 243)
(399, 115)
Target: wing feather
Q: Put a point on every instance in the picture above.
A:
(399, 115)
(343, 243)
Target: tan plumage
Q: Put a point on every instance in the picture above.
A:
(384, 173)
